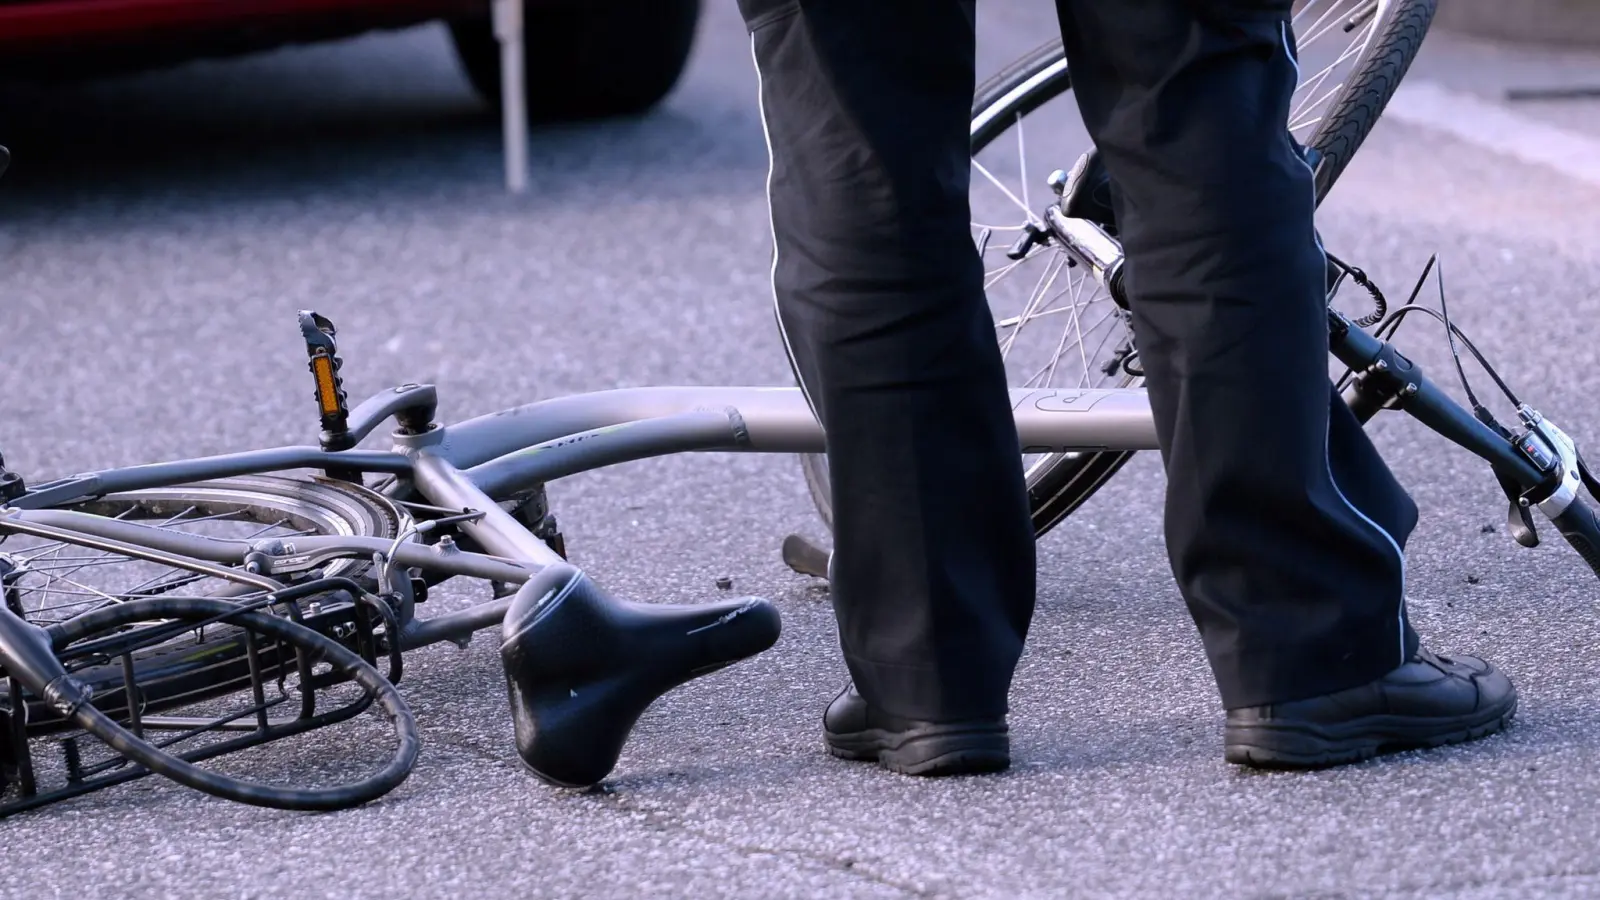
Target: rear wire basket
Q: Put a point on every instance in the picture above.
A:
(197, 690)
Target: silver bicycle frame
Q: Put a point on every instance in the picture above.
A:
(477, 463)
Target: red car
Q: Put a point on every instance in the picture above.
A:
(583, 58)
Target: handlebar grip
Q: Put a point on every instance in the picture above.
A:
(1581, 527)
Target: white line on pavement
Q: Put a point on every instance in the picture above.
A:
(1494, 127)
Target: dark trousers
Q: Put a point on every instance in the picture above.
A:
(1284, 528)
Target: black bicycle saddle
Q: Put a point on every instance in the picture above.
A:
(1087, 192)
(582, 666)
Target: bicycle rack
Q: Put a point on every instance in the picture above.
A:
(109, 660)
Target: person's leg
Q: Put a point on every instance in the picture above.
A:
(1297, 589)
(1285, 529)
(880, 296)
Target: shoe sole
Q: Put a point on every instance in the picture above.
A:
(927, 752)
(1286, 746)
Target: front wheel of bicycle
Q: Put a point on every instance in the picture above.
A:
(1056, 326)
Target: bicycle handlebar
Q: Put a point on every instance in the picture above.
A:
(1388, 378)
(27, 655)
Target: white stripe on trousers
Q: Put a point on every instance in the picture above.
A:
(1400, 615)
(772, 225)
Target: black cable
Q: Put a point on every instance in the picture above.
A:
(1411, 301)
(1478, 409)
(304, 640)
(1392, 320)
(1359, 277)
(1465, 341)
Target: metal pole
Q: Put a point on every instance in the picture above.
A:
(513, 96)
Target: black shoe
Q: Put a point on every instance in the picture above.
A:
(582, 666)
(1428, 702)
(854, 730)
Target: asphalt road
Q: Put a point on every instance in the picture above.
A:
(158, 233)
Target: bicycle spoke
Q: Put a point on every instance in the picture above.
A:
(149, 586)
(1313, 27)
(1076, 321)
(1055, 358)
(1316, 82)
(179, 516)
(92, 591)
(1295, 18)
(1321, 76)
(1016, 321)
(1311, 39)
(68, 565)
(1022, 163)
(1116, 313)
(1039, 293)
(1307, 123)
(982, 170)
(1083, 382)
(1003, 271)
(59, 579)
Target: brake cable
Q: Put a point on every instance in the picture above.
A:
(1391, 323)
(1380, 303)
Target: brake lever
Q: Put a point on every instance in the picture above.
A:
(1590, 482)
(1519, 518)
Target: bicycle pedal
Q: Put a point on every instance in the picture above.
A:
(806, 557)
(322, 352)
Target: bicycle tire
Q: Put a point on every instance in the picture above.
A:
(1058, 489)
(191, 671)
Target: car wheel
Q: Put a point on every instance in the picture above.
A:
(587, 60)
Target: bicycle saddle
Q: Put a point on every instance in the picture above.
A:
(1086, 194)
(582, 666)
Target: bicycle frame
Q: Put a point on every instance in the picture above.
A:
(479, 462)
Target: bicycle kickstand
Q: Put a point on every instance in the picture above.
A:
(806, 556)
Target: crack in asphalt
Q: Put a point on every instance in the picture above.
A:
(665, 820)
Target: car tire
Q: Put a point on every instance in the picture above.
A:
(587, 60)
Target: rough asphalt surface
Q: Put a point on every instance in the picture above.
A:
(158, 233)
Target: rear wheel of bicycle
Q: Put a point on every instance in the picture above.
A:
(50, 582)
(1056, 327)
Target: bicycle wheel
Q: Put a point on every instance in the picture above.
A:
(1353, 54)
(52, 582)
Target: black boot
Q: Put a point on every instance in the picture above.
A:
(1428, 702)
(582, 666)
(853, 730)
